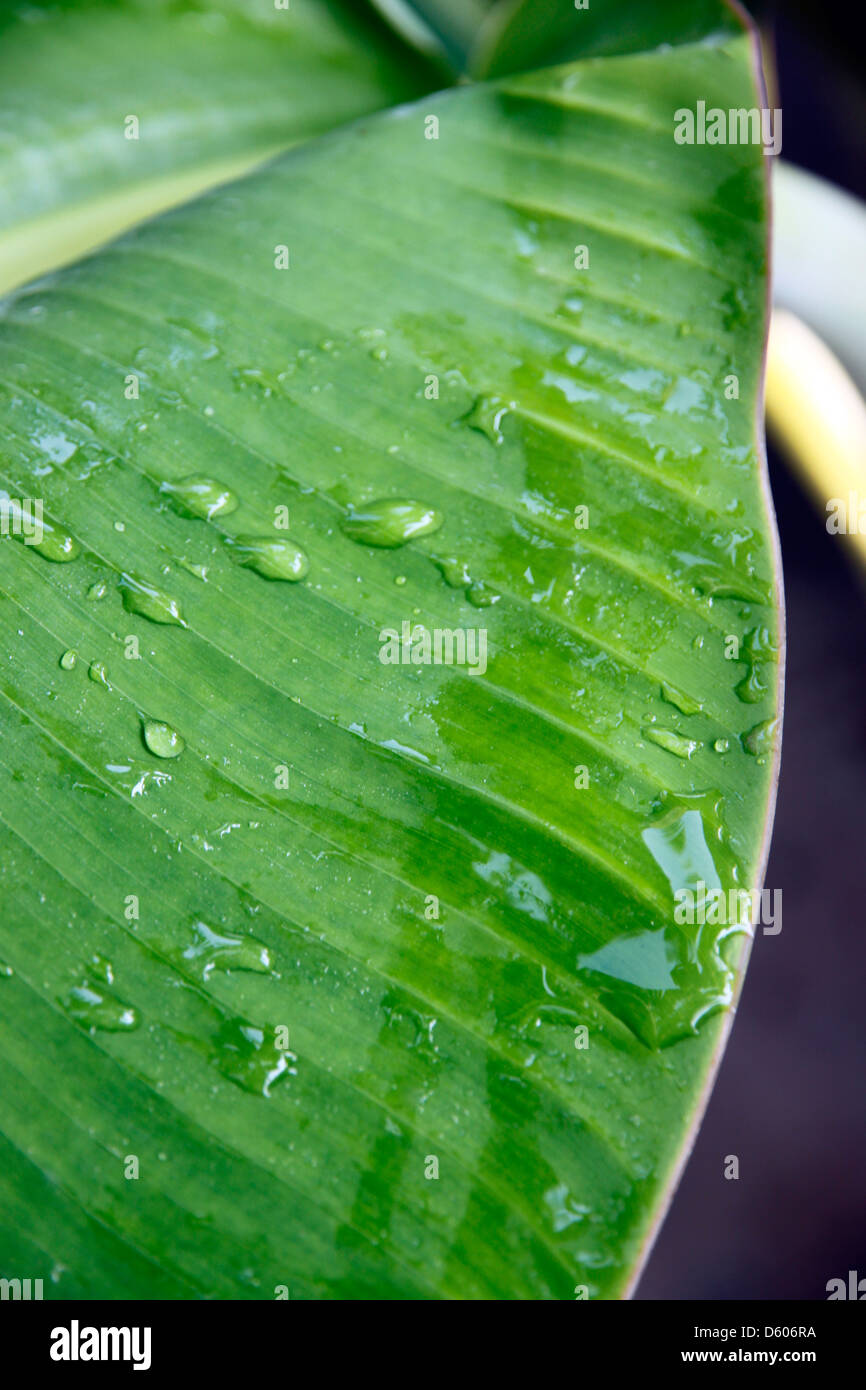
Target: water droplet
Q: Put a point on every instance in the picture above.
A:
(200, 571)
(684, 703)
(678, 744)
(760, 741)
(644, 959)
(201, 497)
(213, 951)
(149, 602)
(760, 654)
(98, 674)
(67, 661)
(50, 541)
(400, 579)
(454, 572)
(96, 1007)
(272, 557)
(714, 584)
(249, 1057)
(564, 1210)
(722, 745)
(480, 595)
(390, 522)
(97, 591)
(664, 981)
(162, 740)
(487, 414)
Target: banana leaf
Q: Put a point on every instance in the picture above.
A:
(339, 959)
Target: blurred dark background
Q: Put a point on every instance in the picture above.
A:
(790, 1099)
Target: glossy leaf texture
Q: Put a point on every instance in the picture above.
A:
(373, 964)
(112, 110)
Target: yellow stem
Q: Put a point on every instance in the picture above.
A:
(819, 417)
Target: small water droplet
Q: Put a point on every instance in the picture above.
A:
(390, 522)
(162, 740)
(97, 591)
(722, 745)
(480, 595)
(200, 571)
(684, 703)
(67, 660)
(454, 572)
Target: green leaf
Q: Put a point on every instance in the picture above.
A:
(297, 928)
(212, 90)
(446, 27)
(521, 34)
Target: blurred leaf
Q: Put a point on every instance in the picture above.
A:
(521, 34)
(211, 90)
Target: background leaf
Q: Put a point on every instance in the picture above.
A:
(215, 88)
(521, 34)
(164, 917)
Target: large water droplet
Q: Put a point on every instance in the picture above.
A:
(150, 602)
(96, 1007)
(672, 742)
(678, 844)
(487, 414)
(162, 740)
(760, 654)
(645, 959)
(760, 741)
(665, 980)
(272, 557)
(391, 522)
(213, 951)
(98, 674)
(249, 1056)
(26, 523)
(57, 545)
(201, 497)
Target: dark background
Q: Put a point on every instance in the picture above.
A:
(790, 1099)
